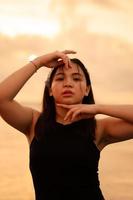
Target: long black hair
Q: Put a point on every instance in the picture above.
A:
(48, 114)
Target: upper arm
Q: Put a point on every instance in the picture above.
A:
(16, 115)
(116, 130)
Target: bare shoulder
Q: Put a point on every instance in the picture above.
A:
(31, 132)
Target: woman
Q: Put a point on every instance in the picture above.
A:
(65, 139)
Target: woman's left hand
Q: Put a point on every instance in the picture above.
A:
(79, 111)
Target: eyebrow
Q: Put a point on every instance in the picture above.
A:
(73, 74)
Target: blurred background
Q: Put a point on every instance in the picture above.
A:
(101, 31)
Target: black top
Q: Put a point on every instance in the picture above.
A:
(64, 163)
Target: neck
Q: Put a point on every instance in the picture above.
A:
(60, 114)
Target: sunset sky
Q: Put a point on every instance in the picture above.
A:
(101, 31)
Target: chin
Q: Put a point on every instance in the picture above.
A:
(70, 102)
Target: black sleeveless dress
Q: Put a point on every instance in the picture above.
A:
(64, 164)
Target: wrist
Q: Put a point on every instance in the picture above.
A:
(37, 63)
(34, 65)
(98, 109)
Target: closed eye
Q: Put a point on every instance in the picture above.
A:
(59, 78)
(77, 79)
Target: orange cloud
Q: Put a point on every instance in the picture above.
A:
(108, 59)
(102, 40)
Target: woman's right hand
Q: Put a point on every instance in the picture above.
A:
(54, 59)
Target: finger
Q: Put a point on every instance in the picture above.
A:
(60, 56)
(70, 63)
(76, 114)
(64, 106)
(65, 59)
(69, 52)
(60, 63)
(69, 114)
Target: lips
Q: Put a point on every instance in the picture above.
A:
(67, 93)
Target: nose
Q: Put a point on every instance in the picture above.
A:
(68, 83)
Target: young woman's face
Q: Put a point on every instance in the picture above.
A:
(69, 85)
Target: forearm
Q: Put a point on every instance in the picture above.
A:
(124, 112)
(13, 83)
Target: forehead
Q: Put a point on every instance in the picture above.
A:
(75, 68)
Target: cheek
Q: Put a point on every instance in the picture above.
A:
(56, 93)
(82, 88)
(55, 90)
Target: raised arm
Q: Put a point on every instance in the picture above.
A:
(119, 125)
(124, 112)
(78, 111)
(12, 112)
(116, 127)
